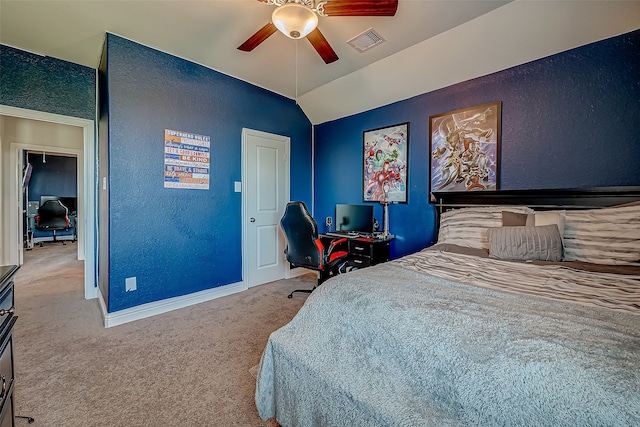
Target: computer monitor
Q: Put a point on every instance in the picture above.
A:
(71, 203)
(354, 218)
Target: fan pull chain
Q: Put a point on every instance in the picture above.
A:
(296, 42)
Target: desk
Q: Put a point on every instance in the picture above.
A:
(365, 251)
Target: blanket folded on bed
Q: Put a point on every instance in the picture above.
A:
(389, 346)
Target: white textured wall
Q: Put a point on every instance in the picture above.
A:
(31, 133)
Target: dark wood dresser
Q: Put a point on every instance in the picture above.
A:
(7, 320)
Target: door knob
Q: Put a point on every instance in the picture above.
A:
(252, 219)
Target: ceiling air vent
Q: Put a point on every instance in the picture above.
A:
(366, 40)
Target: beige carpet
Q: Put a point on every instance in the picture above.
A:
(189, 367)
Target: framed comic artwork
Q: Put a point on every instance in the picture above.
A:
(464, 149)
(385, 167)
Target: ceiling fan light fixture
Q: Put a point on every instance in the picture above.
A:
(294, 20)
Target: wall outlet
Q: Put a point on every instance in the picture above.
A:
(130, 284)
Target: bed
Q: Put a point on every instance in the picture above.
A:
(488, 327)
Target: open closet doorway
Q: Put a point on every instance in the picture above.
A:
(32, 131)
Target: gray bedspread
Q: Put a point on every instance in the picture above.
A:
(389, 346)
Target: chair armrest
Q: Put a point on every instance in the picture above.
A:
(335, 243)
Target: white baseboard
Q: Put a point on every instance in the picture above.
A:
(158, 307)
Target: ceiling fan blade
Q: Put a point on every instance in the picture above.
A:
(261, 35)
(322, 46)
(360, 7)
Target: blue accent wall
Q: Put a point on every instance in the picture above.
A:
(57, 176)
(46, 84)
(54, 177)
(180, 241)
(569, 120)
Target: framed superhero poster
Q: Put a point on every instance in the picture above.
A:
(464, 149)
(385, 167)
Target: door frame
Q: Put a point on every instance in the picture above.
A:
(17, 152)
(15, 242)
(245, 217)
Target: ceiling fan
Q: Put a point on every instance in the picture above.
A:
(299, 18)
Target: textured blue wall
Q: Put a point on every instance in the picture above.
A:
(569, 120)
(46, 84)
(179, 241)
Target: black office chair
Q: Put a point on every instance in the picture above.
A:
(305, 248)
(52, 216)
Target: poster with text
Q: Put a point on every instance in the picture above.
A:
(187, 159)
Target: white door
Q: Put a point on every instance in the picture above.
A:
(265, 176)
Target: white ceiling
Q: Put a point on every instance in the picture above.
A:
(430, 43)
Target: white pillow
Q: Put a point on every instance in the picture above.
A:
(549, 218)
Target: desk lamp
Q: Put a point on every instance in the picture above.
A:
(385, 218)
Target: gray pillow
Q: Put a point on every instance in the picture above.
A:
(525, 243)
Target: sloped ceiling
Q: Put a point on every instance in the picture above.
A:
(430, 43)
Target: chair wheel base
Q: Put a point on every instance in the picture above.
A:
(306, 291)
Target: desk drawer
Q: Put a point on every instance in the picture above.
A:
(359, 247)
(359, 261)
(375, 251)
